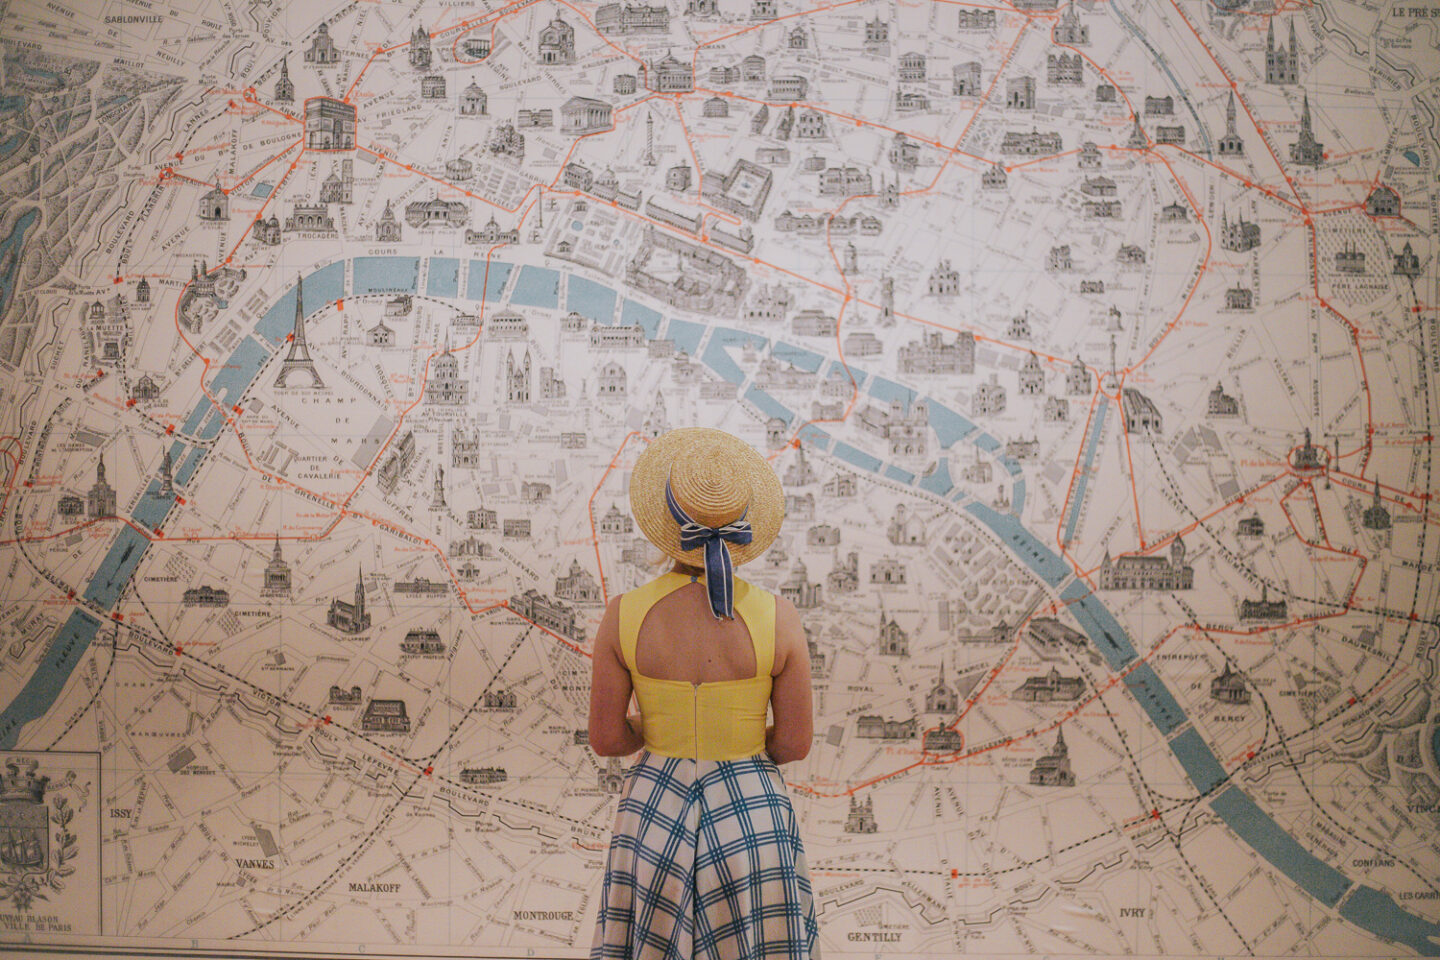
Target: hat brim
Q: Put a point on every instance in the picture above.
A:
(652, 471)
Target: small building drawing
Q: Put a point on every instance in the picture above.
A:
(473, 102)
(385, 716)
(1282, 65)
(1064, 68)
(1307, 455)
(350, 617)
(942, 698)
(397, 463)
(893, 640)
(1239, 298)
(387, 228)
(1031, 376)
(556, 45)
(875, 727)
(100, 502)
(380, 335)
(1069, 29)
(1231, 145)
(989, 398)
(1350, 260)
(965, 79)
(1049, 687)
(343, 697)
(329, 124)
(1306, 149)
(861, 818)
(611, 780)
(845, 576)
(445, 385)
(799, 589)
(1221, 403)
(1264, 608)
(942, 740)
(215, 205)
(671, 76)
(1148, 572)
(1383, 202)
(422, 642)
(284, 87)
(321, 51)
(205, 596)
(582, 115)
(1053, 769)
(1020, 93)
(1141, 414)
(905, 529)
(1376, 517)
(1229, 687)
(577, 585)
(277, 574)
(542, 610)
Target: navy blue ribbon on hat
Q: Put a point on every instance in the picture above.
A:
(719, 569)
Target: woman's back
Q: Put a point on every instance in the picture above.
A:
(679, 640)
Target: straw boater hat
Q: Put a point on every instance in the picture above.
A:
(719, 481)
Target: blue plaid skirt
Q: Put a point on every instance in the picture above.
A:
(705, 863)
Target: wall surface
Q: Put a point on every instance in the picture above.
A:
(1096, 346)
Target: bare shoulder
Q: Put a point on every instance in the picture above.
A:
(785, 612)
(789, 633)
(607, 634)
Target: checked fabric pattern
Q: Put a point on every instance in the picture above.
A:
(705, 863)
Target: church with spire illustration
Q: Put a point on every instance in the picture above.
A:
(1231, 145)
(1306, 149)
(350, 617)
(297, 362)
(284, 86)
(1282, 64)
(1053, 769)
(277, 574)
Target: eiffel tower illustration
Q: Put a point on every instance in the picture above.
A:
(298, 361)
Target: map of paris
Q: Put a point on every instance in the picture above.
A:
(1097, 345)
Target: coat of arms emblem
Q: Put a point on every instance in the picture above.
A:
(34, 846)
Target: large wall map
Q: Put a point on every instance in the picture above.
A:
(1095, 342)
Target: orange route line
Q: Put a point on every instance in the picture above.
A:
(566, 641)
(1239, 98)
(695, 55)
(605, 39)
(256, 172)
(929, 759)
(590, 510)
(1235, 175)
(250, 97)
(848, 298)
(443, 182)
(848, 290)
(1075, 475)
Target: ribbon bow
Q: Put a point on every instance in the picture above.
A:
(719, 569)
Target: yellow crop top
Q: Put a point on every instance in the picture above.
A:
(715, 720)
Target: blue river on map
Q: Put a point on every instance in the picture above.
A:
(10, 255)
(1366, 907)
(35, 699)
(444, 278)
